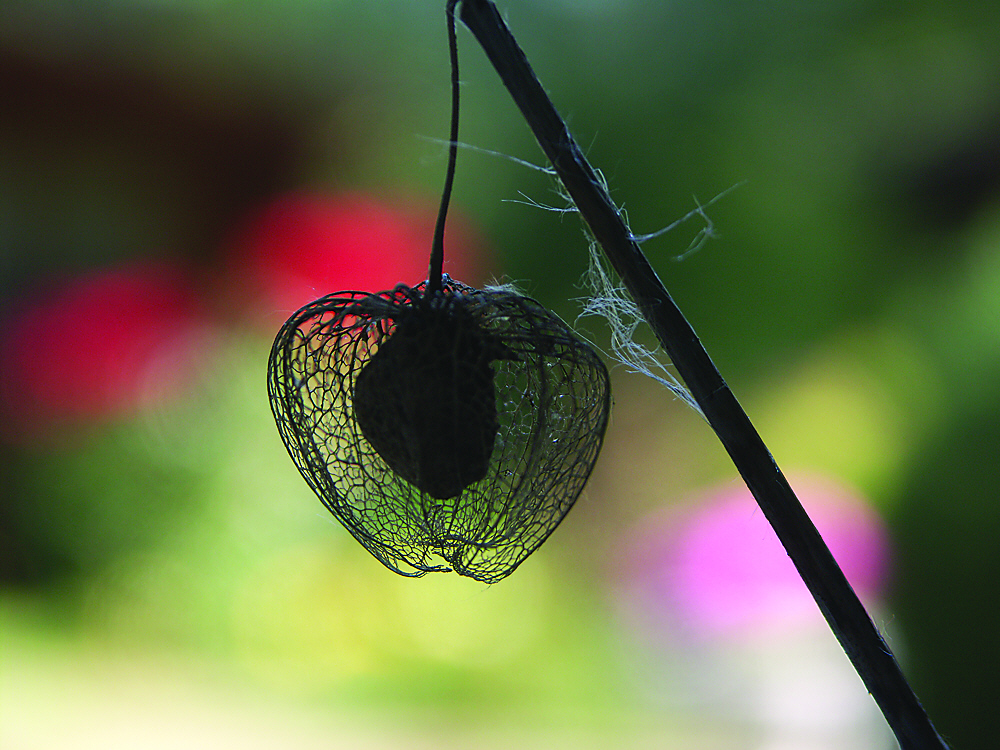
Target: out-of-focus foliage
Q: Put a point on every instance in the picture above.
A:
(177, 177)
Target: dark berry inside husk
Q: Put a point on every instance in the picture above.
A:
(426, 401)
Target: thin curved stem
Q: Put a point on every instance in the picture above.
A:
(437, 246)
(839, 604)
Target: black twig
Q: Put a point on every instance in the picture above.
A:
(436, 268)
(839, 604)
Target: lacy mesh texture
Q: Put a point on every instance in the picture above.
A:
(488, 414)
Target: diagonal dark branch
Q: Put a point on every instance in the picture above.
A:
(843, 610)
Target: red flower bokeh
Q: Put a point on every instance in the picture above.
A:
(111, 341)
(303, 245)
(93, 346)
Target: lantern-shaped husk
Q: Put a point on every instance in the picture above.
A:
(453, 427)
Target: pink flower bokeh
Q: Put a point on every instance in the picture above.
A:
(718, 568)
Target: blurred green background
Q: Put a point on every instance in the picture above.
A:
(176, 177)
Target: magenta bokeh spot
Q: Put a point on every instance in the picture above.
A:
(719, 566)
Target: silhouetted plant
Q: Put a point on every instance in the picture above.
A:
(439, 420)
